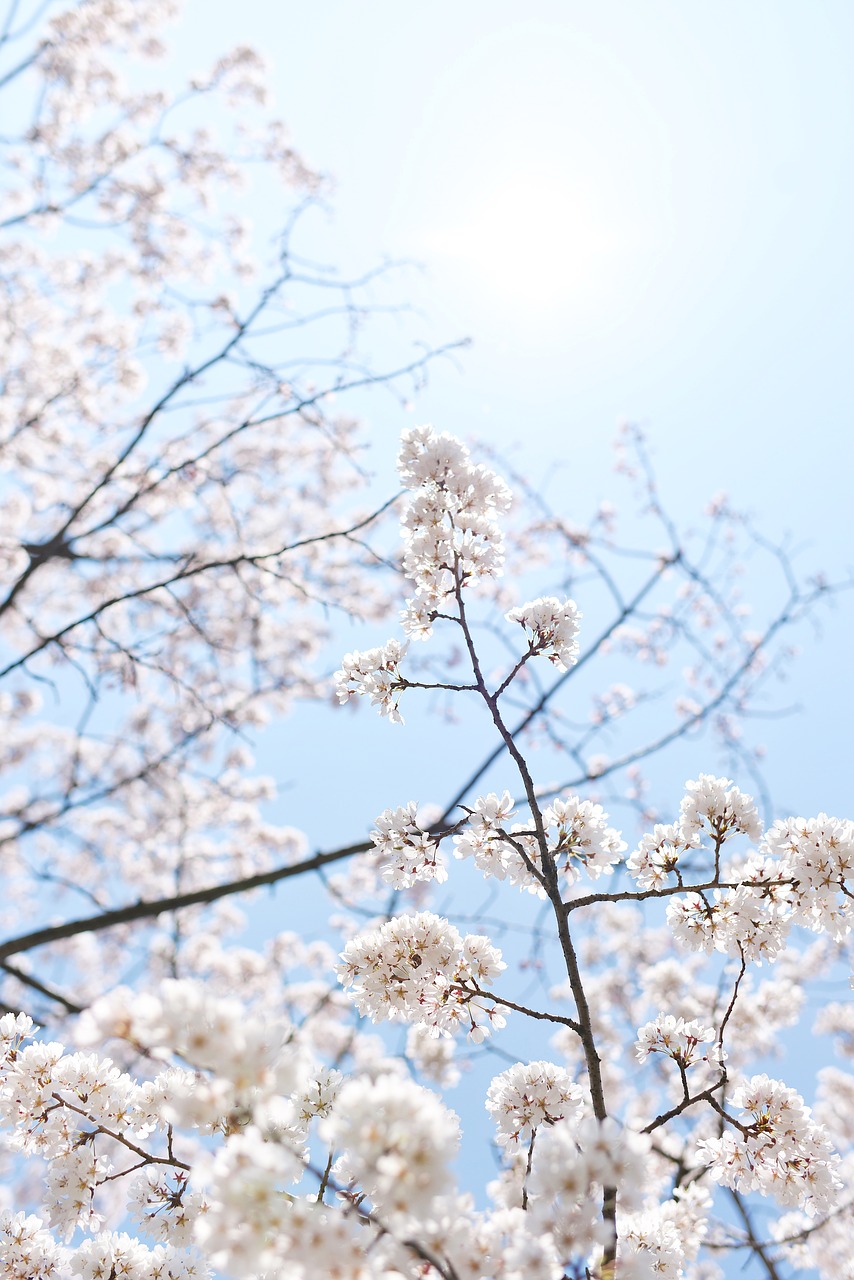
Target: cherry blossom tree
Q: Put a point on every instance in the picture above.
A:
(188, 510)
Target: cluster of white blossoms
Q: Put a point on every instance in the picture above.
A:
(580, 838)
(528, 1095)
(554, 626)
(420, 969)
(658, 854)
(777, 1148)
(400, 1141)
(658, 1243)
(374, 674)
(577, 835)
(485, 840)
(243, 1056)
(451, 533)
(713, 807)
(51, 1102)
(749, 922)
(31, 1253)
(798, 875)
(818, 854)
(676, 1039)
(87, 1120)
(407, 852)
(716, 806)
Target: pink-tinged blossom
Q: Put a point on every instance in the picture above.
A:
(407, 853)
(675, 1038)
(450, 526)
(374, 674)
(778, 1149)
(553, 625)
(658, 854)
(716, 807)
(420, 969)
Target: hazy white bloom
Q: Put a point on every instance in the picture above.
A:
(397, 1140)
(676, 1039)
(433, 1055)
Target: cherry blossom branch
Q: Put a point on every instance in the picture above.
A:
(759, 1249)
(549, 871)
(145, 1156)
(523, 1008)
(553, 689)
(187, 571)
(150, 910)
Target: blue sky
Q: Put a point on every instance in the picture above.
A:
(633, 211)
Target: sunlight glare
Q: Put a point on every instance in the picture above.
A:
(535, 244)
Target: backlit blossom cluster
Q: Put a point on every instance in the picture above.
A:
(407, 852)
(553, 625)
(578, 839)
(451, 532)
(777, 1148)
(716, 806)
(374, 674)
(420, 969)
(676, 1038)
(529, 1095)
